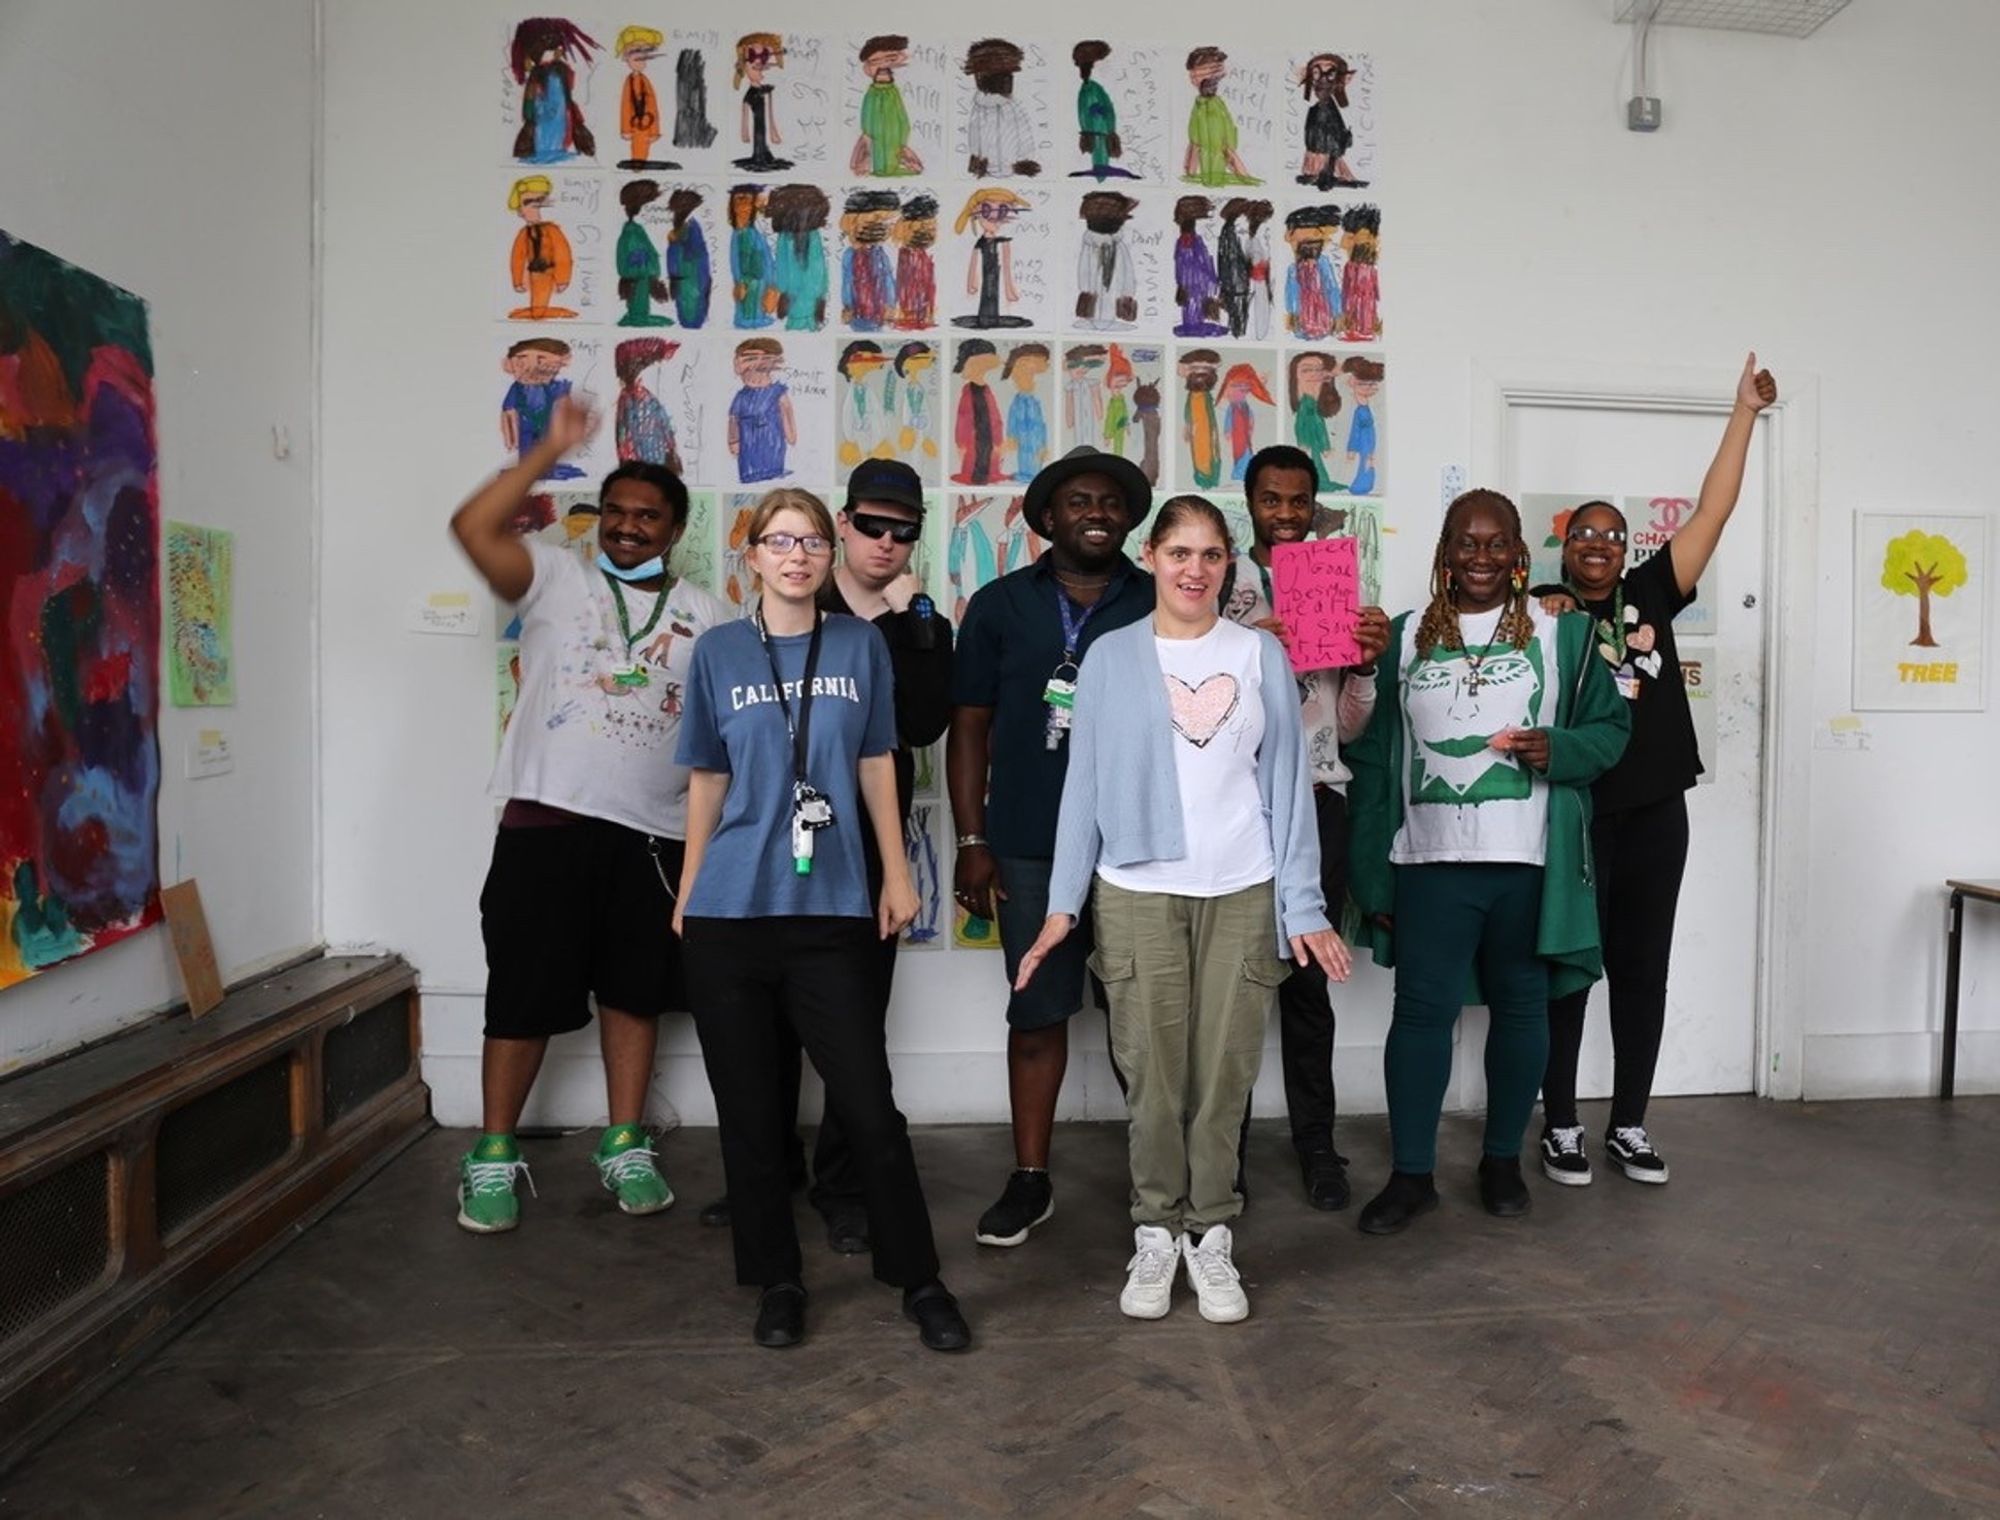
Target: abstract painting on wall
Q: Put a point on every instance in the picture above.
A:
(79, 590)
(200, 640)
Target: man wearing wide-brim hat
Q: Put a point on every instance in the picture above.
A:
(1013, 684)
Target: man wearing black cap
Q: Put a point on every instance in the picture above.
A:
(1012, 688)
(879, 528)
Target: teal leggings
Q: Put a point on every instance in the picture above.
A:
(1451, 920)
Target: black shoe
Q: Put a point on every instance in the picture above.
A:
(1563, 1159)
(935, 1312)
(1402, 1199)
(716, 1213)
(1633, 1154)
(846, 1227)
(1502, 1188)
(781, 1316)
(1028, 1200)
(1325, 1175)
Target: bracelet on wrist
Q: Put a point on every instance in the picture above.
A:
(967, 841)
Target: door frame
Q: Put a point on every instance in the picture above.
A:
(1791, 538)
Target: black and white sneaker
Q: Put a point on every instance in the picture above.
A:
(1029, 1199)
(1633, 1154)
(1563, 1159)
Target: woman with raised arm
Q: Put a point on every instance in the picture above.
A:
(1639, 833)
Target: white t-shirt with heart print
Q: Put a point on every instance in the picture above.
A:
(1215, 693)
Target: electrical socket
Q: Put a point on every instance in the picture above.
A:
(1642, 113)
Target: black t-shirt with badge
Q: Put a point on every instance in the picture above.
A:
(1661, 758)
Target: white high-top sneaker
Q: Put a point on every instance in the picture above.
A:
(1149, 1281)
(1213, 1276)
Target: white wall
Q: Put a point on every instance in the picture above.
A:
(1826, 201)
(169, 148)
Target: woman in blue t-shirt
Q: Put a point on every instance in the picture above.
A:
(788, 728)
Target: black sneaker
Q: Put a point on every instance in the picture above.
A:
(1633, 1154)
(1563, 1159)
(1028, 1200)
(1325, 1176)
(1502, 1189)
(1402, 1199)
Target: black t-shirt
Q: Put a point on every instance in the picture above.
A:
(1661, 758)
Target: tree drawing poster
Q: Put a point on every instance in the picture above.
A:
(1920, 613)
(80, 581)
(199, 630)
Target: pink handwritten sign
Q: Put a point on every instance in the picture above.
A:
(1317, 587)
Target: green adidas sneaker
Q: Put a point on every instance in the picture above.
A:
(633, 1172)
(486, 1201)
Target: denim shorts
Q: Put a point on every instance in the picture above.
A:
(1057, 989)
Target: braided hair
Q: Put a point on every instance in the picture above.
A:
(1439, 628)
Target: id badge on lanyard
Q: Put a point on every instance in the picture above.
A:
(633, 672)
(1059, 695)
(812, 810)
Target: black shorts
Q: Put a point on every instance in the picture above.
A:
(575, 909)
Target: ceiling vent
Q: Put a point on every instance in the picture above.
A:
(1782, 18)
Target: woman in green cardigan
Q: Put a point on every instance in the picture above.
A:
(1471, 841)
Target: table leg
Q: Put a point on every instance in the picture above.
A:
(1948, 1069)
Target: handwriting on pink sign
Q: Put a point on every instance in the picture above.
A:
(1317, 587)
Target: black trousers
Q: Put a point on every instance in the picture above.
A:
(757, 985)
(1641, 854)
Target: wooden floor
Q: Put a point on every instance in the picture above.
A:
(1806, 1321)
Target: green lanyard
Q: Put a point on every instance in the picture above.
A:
(1611, 630)
(634, 674)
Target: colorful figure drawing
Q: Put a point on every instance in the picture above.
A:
(1027, 422)
(198, 615)
(1237, 280)
(536, 365)
(916, 273)
(1312, 294)
(1107, 288)
(1083, 393)
(639, 120)
(1199, 428)
(1257, 248)
(751, 260)
(1196, 289)
(863, 427)
(689, 278)
(1360, 284)
(757, 54)
(761, 424)
(977, 556)
(643, 428)
(999, 138)
(990, 273)
(907, 399)
(540, 263)
(1242, 385)
(639, 282)
(1146, 412)
(1096, 116)
(927, 877)
(1315, 399)
(692, 128)
(80, 667)
(552, 126)
(1118, 419)
(797, 214)
(1364, 380)
(977, 432)
(883, 148)
(867, 278)
(1328, 137)
(1212, 158)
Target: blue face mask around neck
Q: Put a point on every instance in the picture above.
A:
(652, 569)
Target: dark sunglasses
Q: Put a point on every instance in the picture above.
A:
(900, 531)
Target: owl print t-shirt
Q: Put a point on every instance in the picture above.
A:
(1464, 800)
(596, 724)
(1216, 701)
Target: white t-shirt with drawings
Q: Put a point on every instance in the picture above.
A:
(1215, 694)
(579, 738)
(1462, 799)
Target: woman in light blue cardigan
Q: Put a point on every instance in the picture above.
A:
(1187, 815)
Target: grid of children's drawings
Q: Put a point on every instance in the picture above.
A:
(769, 255)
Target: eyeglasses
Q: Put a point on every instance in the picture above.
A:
(1587, 534)
(900, 530)
(784, 543)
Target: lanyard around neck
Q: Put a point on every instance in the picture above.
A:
(800, 730)
(1611, 630)
(625, 617)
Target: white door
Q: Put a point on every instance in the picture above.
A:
(1650, 462)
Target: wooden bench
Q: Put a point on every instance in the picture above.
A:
(143, 1177)
(1978, 891)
